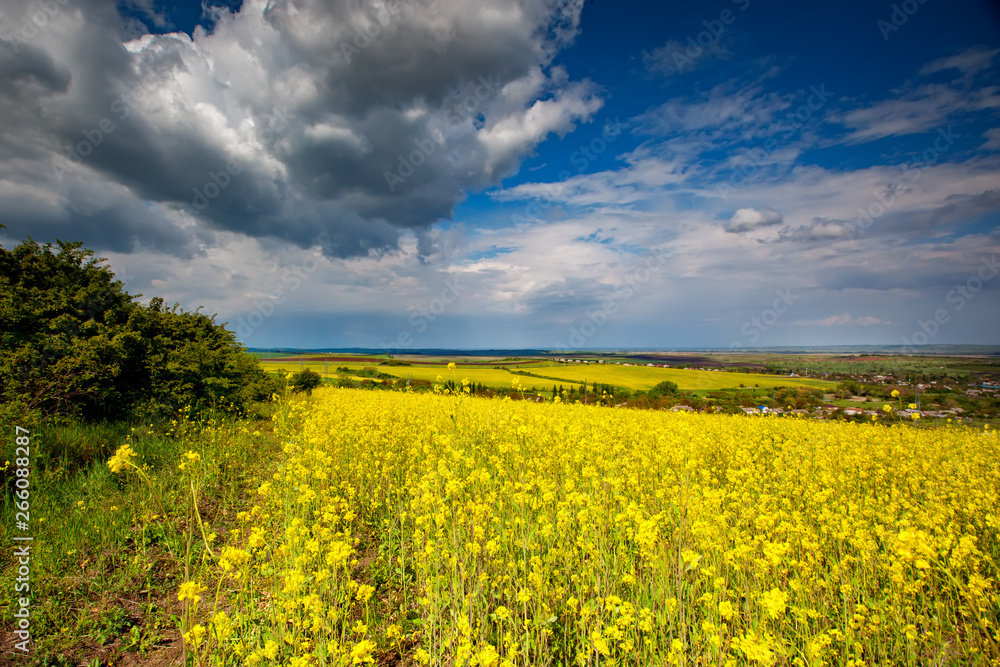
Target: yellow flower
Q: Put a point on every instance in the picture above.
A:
(362, 652)
(122, 458)
(451, 365)
(912, 406)
(232, 557)
(222, 626)
(754, 648)
(364, 593)
(774, 602)
(571, 511)
(895, 393)
(194, 636)
(190, 590)
(488, 656)
(887, 407)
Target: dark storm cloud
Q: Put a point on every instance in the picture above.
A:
(278, 124)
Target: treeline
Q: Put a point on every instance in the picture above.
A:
(75, 343)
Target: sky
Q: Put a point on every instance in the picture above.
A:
(520, 174)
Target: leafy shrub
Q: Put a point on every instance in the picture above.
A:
(306, 381)
(73, 342)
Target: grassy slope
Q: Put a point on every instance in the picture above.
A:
(106, 563)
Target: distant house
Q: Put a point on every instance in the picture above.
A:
(685, 408)
(751, 411)
(853, 411)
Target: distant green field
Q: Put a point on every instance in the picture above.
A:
(631, 377)
(644, 377)
(490, 377)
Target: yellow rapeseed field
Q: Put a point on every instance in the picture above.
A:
(451, 530)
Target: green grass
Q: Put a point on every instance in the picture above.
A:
(109, 549)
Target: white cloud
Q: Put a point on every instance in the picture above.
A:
(381, 133)
(970, 61)
(748, 219)
(921, 107)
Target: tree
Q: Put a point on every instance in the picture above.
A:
(306, 381)
(662, 389)
(60, 312)
(177, 358)
(73, 342)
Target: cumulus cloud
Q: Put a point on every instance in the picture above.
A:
(748, 219)
(358, 121)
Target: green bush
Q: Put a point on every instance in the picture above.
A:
(662, 389)
(306, 381)
(73, 342)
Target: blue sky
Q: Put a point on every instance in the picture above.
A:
(540, 173)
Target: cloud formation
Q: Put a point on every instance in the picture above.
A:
(289, 120)
(748, 219)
